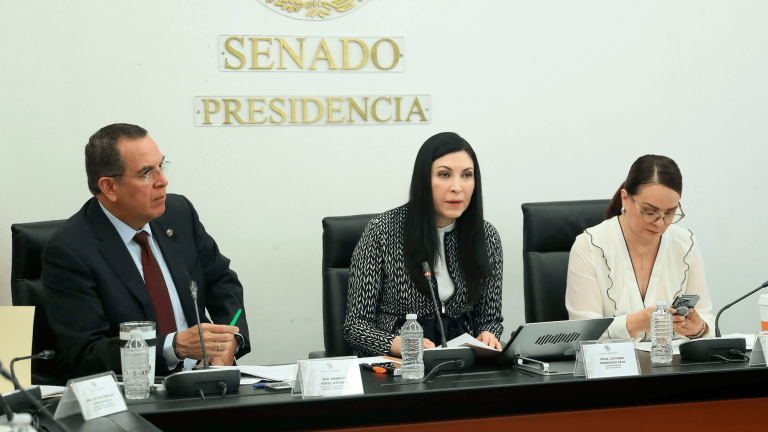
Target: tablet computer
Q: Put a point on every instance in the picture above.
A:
(552, 341)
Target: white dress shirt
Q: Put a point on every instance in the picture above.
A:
(602, 282)
(126, 234)
(445, 286)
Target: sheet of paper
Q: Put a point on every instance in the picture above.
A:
(274, 373)
(481, 349)
(646, 346)
(51, 390)
(16, 323)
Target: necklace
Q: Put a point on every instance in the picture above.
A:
(636, 250)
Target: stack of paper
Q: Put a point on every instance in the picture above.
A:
(272, 373)
(481, 349)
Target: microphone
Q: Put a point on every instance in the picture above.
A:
(201, 381)
(717, 319)
(45, 355)
(451, 358)
(36, 403)
(705, 349)
(428, 275)
(193, 288)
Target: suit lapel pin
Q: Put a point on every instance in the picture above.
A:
(169, 233)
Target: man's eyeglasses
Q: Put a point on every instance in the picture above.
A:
(652, 217)
(151, 176)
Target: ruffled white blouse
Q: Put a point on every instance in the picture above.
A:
(602, 282)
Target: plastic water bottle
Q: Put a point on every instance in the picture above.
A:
(661, 335)
(412, 348)
(136, 367)
(22, 422)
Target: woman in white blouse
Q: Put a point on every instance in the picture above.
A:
(637, 256)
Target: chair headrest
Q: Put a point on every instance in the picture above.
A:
(554, 226)
(28, 241)
(340, 236)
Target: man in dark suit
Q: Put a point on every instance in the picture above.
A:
(130, 254)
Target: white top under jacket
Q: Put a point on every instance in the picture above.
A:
(445, 286)
(602, 282)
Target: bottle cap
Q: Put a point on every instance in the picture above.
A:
(763, 300)
(136, 332)
(661, 303)
(410, 316)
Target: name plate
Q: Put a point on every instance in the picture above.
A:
(609, 358)
(329, 377)
(93, 396)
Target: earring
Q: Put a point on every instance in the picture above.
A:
(623, 210)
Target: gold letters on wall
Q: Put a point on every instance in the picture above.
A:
(312, 110)
(310, 54)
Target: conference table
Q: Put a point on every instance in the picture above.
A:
(688, 396)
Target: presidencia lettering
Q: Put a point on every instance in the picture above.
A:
(373, 108)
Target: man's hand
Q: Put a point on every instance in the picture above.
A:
(215, 336)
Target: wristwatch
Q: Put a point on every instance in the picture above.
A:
(173, 344)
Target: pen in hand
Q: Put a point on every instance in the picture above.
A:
(237, 315)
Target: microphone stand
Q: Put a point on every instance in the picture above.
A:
(718, 347)
(717, 319)
(34, 402)
(202, 381)
(451, 358)
(428, 275)
(45, 355)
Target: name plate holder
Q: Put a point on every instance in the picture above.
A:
(327, 377)
(758, 354)
(93, 396)
(607, 358)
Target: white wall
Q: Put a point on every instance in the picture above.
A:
(558, 98)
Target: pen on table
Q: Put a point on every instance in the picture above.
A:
(381, 368)
(259, 385)
(237, 315)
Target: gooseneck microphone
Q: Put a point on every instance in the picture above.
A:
(36, 403)
(428, 275)
(193, 288)
(201, 381)
(45, 355)
(718, 347)
(444, 358)
(717, 319)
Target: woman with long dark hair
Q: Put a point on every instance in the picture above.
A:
(638, 256)
(442, 224)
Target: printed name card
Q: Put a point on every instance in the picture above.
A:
(94, 396)
(609, 358)
(328, 377)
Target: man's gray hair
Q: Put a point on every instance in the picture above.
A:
(102, 156)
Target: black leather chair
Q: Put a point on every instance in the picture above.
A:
(549, 230)
(28, 241)
(340, 236)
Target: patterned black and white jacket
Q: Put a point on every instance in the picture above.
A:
(381, 291)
